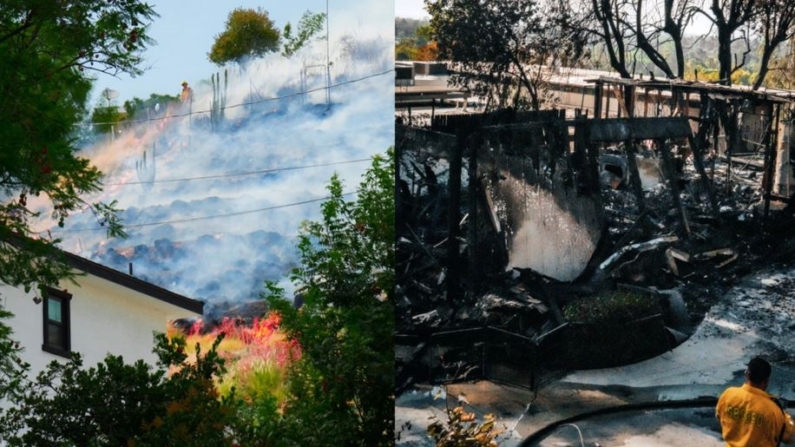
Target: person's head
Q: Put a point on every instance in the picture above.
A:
(184, 84)
(758, 373)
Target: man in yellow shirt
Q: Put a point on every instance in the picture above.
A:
(749, 416)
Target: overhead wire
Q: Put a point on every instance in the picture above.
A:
(264, 171)
(197, 218)
(243, 104)
(240, 174)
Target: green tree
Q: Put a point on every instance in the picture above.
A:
(49, 48)
(342, 389)
(136, 107)
(12, 369)
(248, 34)
(309, 25)
(119, 404)
(776, 23)
(106, 118)
(501, 45)
(406, 50)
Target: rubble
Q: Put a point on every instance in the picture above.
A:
(680, 225)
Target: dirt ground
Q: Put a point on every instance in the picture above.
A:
(756, 317)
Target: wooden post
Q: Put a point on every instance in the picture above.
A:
(637, 187)
(731, 134)
(658, 104)
(698, 161)
(474, 194)
(398, 203)
(770, 155)
(433, 110)
(687, 105)
(453, 218)
(597, 100)
(629, 100)
(670, 173)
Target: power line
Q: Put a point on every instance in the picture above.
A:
(241, 174)
(274, 98)
(215, 216)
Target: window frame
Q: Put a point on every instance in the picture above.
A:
(65, 323)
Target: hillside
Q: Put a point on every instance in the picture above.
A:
(212, 208)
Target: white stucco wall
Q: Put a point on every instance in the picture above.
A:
(105, 318)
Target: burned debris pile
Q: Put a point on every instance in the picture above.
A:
(505, 227)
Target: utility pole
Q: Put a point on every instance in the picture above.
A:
(328, 64)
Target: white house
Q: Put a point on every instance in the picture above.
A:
(107, 312)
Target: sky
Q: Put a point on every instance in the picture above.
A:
(415, 9)
(185, 31)
(412, 9)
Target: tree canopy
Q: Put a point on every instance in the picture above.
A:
(155, 102)
(309, 25)
(640, 36)
(49, 49)
(115, 403)
(248, 34)
(501, 45)
(344, 382)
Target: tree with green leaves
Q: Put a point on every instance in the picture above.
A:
(49, 51)
(342, 388)
(248, 34)
(13, 369)
(119, 404)
(106, 119)
(500, 47)
(138, 108)
(309, 25)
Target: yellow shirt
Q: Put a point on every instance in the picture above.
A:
(749, 418)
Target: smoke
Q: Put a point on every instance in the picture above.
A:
(252, 170)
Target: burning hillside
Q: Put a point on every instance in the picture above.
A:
(213, 197)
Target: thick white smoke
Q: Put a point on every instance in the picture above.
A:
(164, 172)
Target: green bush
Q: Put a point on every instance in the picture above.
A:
(602, 333)
(615, 307)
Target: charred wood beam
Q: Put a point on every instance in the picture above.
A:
(770, 156)
(614, 130)
(422, 245)
(474, 193)
(623, 129)
(434, 143)
(629, 100)
(729, 114)
(635, 184)
(673, 184)
(698, 160)
(597, 104)
(591, 159)
(453, 218)
(639, 247)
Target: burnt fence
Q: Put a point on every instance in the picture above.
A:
(497, 355)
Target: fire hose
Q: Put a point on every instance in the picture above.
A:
(699, 402)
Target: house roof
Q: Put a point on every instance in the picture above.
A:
(134, 283)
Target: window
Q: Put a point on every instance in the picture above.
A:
(56, 323)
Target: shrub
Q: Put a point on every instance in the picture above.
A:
(615, 307)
